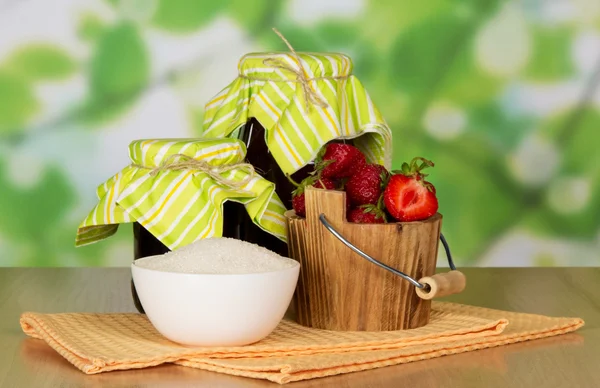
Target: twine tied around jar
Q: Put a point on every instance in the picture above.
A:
(311, 96)
(179, 162)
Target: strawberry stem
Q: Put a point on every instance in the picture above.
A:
(424, 164)
(292, 181)
(414, 168)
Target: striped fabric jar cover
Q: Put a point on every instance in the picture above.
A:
(268, 88)
(180, 206)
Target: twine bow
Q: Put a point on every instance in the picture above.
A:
(311, 96)
(179, 162)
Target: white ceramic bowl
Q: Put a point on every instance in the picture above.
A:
(215, 309)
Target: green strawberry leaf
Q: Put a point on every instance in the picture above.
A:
(405, 168)
(374, 209)
(385, 178)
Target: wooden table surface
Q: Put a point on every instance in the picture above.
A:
(571, 360)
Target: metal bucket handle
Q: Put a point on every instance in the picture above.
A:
(438, 285)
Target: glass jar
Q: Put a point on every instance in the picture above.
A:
(236, 222)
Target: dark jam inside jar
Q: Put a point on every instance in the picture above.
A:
(236, 222)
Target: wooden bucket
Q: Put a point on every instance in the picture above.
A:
(340, 290)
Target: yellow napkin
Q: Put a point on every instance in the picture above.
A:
(97, 343)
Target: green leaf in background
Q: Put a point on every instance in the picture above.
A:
(424, 57)
(17, 102)
(567, 209)
(367, 63)
(95, 111)
(551, 59)
(302, 39)
(254, 15)
(120, 64)
(583, 224)
(181, 16)
(504, 132)
(120, 69)
(476, 210)
(337, 34)
(41, 61)
(90, 27)
(388, 18)
(465, 83)
(345, 37)
(29, 213)
(421, 52)
(33, 223)
(196, 118)
(581, 141)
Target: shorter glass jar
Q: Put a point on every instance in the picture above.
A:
(236, 222)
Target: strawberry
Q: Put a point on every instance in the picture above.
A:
(298, 200)
(367, 184)
(408, 196)
(339, 160)
(368, 214)
(299, 205)
(340, 184)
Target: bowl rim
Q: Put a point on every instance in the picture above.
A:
(135, 263)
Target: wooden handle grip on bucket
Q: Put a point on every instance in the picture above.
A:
(442, 284)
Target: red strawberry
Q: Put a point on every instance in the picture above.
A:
(367, 184)
(298, 200)
(358, 163)
(366, 215)
(340, 184)
(408, 196)
(299, 205)
(339, 160)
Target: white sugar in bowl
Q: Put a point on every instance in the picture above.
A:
(216, 292)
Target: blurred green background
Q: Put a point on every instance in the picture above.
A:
(503, 96)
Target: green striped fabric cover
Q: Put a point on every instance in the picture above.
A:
(180, 207)
(294, 135)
